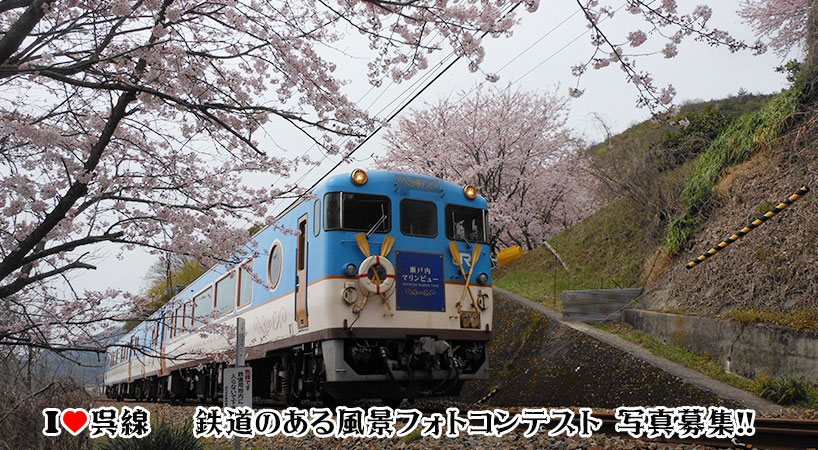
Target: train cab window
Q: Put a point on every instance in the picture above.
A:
(357, 212)
(204, 306)
(245, 285)
(418, 218)
(466, 224)
(226, 293)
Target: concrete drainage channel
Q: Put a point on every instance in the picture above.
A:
(539, 360)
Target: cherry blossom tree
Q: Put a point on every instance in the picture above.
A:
(786, 24)
(514, 146)
(138, 122)
(781, 25)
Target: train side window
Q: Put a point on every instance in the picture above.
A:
(418, 218)
(175, 327)
(274, 263)
(316, 220)
(204, 306)
(226, 293)
(466, 224)
(245, 285)
(357, 212)
(189, 315)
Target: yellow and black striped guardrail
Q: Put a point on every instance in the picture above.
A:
(770, 214)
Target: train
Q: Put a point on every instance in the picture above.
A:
(374, 286)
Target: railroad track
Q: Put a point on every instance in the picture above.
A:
(775, 434)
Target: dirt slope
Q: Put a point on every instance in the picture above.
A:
(774, 267)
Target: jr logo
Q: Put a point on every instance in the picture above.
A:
(465, 260)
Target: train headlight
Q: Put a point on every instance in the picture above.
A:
(359, 177)
(350, 270)
(470, 192)
(483, 278)
(350, 295)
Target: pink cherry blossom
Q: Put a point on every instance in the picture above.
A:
(139, 123)
(515, 147)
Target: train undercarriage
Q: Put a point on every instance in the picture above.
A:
(336, 371)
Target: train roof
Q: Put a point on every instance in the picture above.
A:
(452, 192)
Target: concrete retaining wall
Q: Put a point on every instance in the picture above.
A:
(596, 304)
(750, 350)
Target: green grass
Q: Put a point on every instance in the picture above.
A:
(606, 249)
(780, 390)
(751, 131)
(802, 319)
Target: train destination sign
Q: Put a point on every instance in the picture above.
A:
(420, 284)
(238, 387)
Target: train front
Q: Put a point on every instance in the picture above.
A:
(410, 265)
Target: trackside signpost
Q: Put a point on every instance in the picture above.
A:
(238, 381)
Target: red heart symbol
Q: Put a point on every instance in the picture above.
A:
(74, 420)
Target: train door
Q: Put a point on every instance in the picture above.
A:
(301, 275)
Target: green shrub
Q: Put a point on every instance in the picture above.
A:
(735, 145)
(683, 143)
(164, 436)
(784, 391)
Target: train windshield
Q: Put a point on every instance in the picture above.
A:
(466, 224)
(418, 218)
(357, 212)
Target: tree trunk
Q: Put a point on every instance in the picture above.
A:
(812, 33)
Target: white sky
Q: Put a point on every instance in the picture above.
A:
(699, 72)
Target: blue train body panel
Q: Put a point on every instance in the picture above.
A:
(316, 300)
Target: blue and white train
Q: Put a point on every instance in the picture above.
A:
(377, 286)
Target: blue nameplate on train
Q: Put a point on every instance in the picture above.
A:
(420, 282)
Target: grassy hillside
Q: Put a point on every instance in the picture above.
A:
(730, 165)
(603, 250)
(610, 247)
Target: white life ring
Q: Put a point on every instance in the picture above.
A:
(385, 284)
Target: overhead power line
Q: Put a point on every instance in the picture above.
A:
(391, 116)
